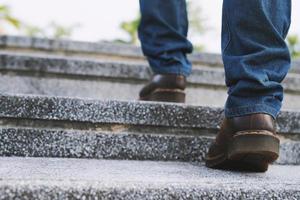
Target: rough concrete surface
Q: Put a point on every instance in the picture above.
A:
(107, 145)
(69, 77)
(117, 89)
(43, 178)
(125, 112)
(69, 47)
(113, 69)
(83, 133)
(49, 45)
(32, 142)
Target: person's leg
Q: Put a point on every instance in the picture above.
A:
(256, 57)
(256, 60)
(163, 35)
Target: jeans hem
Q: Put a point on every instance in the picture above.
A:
(178, 70)
(253, 109)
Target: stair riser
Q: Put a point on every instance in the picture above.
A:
(58, 191)
(118, 89)
(86, 48)
(160, 118)
(100, 50)
(97, 145)
(128, 113)
(96, 50)
(76, 144)
(104, 89)
(24, 64)
(67, 148)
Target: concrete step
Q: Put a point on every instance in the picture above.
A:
(80, 128)
(44, 178)
(90, 49)
(119, 143)
(103, 79)
(123, 148)
(107, 50)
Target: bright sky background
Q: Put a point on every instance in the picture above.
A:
(100, 19)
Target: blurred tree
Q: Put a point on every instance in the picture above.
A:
(196, 26)
(195, 23)
(293, 44)
(131, 28)
(32, 31)
(58, 31)
(6, 17)
(53, 30)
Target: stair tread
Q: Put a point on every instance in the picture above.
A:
(88, 133)
(28, 62)
(110, 79)
(54, 175)
(97, 67)
(109, 48)
(120, 143)
(125, 112)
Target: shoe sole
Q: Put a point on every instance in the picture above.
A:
(248, 151)
(166, 95)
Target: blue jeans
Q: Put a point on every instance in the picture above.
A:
(255, 55)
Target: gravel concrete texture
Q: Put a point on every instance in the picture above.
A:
(125, 112)
(111, 80)
(40, 44)
(69, 47)
(118, 89)
(127, 70)
(33, 142)
(69, 178)
(44, 178)
(102, 145)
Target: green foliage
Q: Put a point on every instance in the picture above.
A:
(6, 17)
(58, 31)
(52, 30)
(198, 48)
(196, 26)
(32, 31)
(195, 19)
(294, 46)
(131, 28)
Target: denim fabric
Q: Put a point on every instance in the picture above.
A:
(163, 34)
(255, 55)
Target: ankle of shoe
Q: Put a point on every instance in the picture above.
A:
(169, 81)
(253, 122)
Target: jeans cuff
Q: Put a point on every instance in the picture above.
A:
(253, 109)
(174, 69)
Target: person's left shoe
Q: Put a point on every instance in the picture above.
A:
(247, 143)
(164, 87)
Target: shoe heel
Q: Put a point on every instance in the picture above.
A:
(254, 147)
(175, 96)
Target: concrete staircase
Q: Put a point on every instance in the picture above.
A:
(72, 129)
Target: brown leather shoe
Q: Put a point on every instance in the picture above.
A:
(247, 143)
(165, 87)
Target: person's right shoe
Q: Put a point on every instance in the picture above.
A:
(164, 87)
(247, 143)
